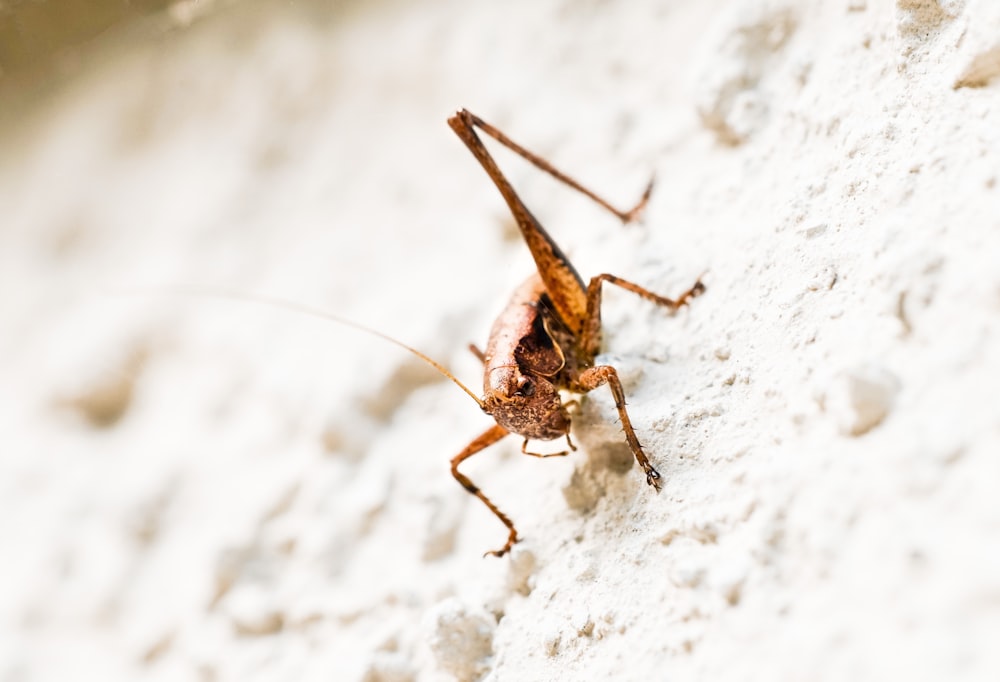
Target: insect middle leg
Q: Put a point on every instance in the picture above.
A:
(590, 337)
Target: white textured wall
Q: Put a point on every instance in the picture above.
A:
(195, 489)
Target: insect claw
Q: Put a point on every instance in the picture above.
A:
(506, 548)
(636, 212)
(653, 478)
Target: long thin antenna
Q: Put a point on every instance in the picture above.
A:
(303, 309)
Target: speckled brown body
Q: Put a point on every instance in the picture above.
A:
(523, 364)
(548, 335)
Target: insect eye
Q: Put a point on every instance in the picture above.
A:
(525, 388)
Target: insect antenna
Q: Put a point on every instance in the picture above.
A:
(285, 304)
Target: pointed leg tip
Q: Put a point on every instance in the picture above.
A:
(503, 550)
(635, 214)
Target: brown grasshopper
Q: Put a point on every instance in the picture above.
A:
(548, 336)
(545, 340)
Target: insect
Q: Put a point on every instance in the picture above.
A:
(544, 341)
(547, 337)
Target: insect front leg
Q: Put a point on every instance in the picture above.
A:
(486, 439)
(590, 341)
(593, 377)
(543, 455)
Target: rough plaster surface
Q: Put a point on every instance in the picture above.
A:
(198, 489)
